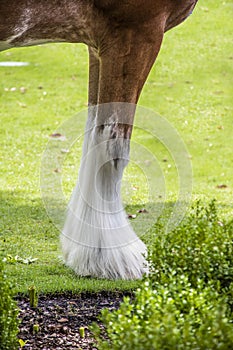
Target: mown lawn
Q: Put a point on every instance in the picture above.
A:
(190, 86)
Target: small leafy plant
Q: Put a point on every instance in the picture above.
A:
(22, 343)
(8, 314)
(33, 296)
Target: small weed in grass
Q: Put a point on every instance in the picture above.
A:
(33, 296)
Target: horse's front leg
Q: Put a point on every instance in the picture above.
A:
(97, 238)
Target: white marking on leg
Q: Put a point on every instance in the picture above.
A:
(97, 238)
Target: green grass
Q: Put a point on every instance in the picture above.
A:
(190, 85)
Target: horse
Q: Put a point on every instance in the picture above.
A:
(123, 39)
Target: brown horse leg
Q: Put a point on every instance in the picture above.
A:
(97, 238)
(94, 64)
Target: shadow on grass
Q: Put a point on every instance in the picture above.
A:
(23, 216)
(26, 217)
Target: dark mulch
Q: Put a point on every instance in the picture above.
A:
(59, 318)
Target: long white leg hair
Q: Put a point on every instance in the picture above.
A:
(97, 239)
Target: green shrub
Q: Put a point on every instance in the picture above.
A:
(167, 317)
(201, 247)
(186, 302)
(8, 314)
